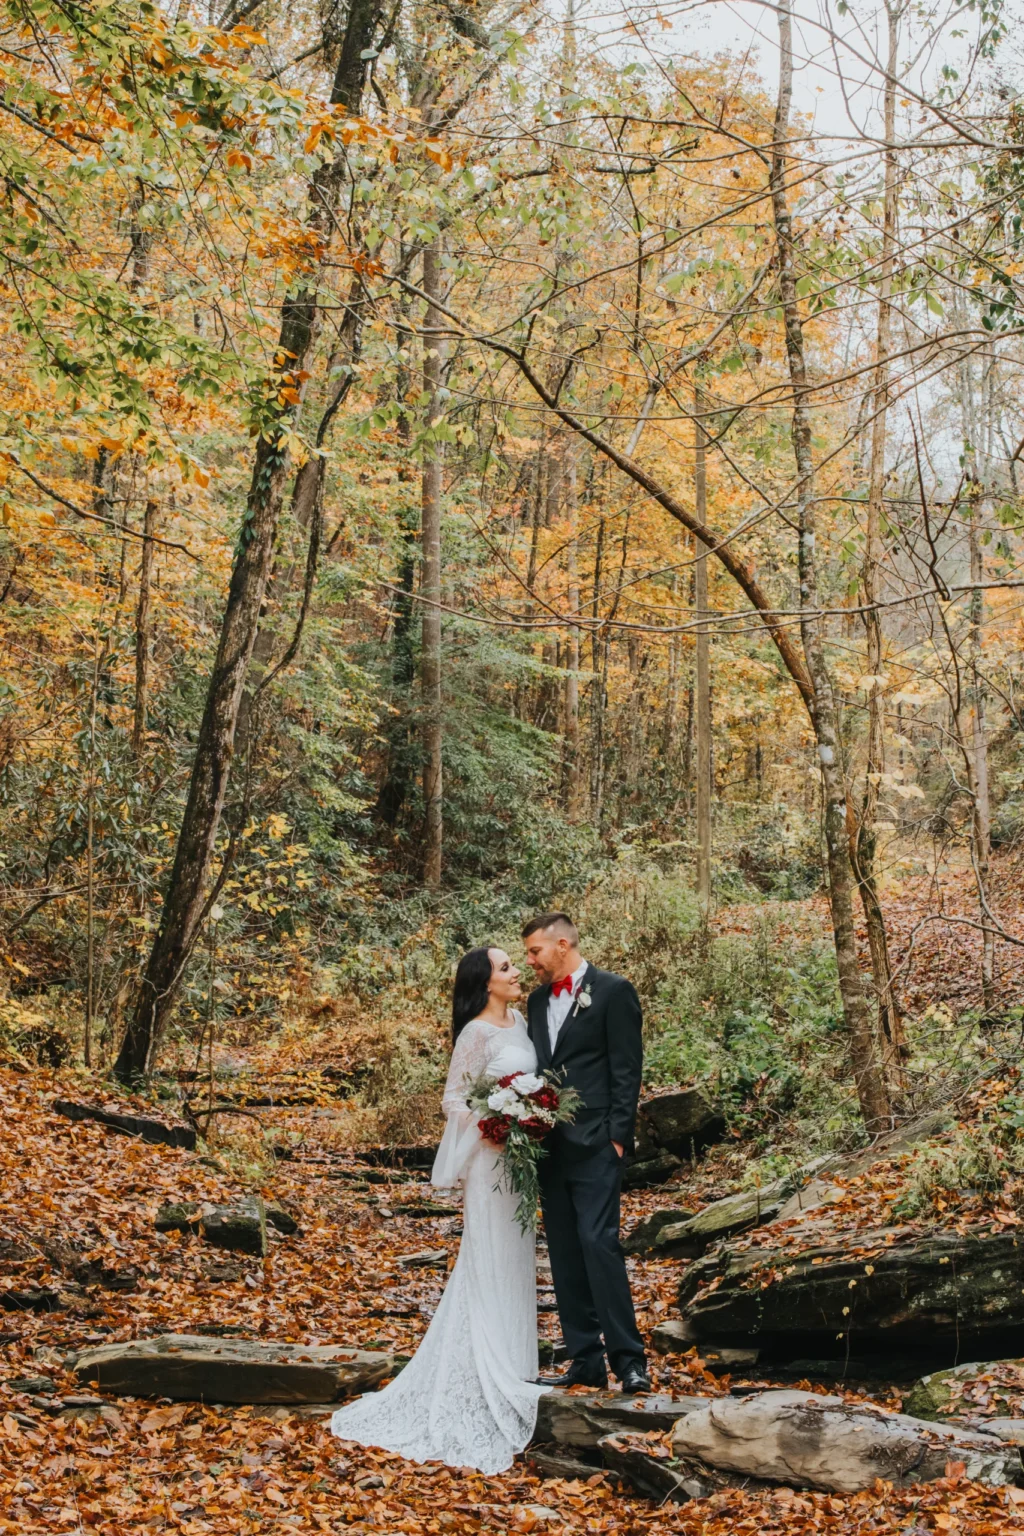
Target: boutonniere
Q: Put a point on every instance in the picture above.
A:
(584, 999)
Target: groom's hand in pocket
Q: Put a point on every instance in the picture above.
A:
(618, 1148)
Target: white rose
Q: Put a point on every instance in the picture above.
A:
(503, 1101)
(527, 1083)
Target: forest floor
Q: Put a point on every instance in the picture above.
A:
(74, 1194)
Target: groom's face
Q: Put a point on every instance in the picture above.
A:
(545, 955)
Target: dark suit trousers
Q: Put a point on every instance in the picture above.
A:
(581, 1219)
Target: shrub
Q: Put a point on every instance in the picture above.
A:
(978, 1159)
(27, 1035)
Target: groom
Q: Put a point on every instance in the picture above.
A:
(585, 1025)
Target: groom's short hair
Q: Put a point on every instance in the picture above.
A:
(561, 921)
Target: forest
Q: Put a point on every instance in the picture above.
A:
(459, 459)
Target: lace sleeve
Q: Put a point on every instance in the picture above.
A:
(461, 1136)
(469, 1060)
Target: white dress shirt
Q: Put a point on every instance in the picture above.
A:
(560, 1007)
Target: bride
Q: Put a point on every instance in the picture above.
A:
(468, 1397)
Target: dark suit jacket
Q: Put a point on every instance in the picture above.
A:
(599, 1052)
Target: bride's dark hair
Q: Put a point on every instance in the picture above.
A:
(469, 997)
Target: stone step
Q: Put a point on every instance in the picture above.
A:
(581, 1419)
(194, 1368)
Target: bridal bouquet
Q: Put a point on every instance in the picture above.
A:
(516, 1113)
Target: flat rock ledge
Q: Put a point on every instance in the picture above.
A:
(193, 1368)
(655, 1472)
(896, 1289)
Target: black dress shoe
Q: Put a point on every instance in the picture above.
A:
(585, 1373)
(634, 1379)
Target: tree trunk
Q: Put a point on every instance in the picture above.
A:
(430, 581)
(400, 766)
(688, 748)
(398, 778)
(571, 726)
(141, 239)
(871, 1089)
(971, 734)
(668, 729)
(185, 899)
(307, 509)
(865, 844)
(90, 863)
(143, 631)
(702, 679)
(597, 686)
(982, 817)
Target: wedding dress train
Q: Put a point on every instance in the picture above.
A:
(468, 1396)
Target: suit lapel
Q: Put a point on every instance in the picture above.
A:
(573, 1020)
(538, 1012)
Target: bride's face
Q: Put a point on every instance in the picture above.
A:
(504, 983)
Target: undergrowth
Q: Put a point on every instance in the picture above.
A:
(984, 1158)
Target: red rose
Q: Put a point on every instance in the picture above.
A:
(495, 1128)
(535, 1129)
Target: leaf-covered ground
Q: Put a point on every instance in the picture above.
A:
(77, 1204)
(932, 928)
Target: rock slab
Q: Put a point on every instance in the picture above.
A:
(692, 1236)
(805, 1440)
(898, 1288)
(673, 1337)
(654, 1476)
(193, 1368)
(822, 1189)
(650, 1171)
(641, 1238)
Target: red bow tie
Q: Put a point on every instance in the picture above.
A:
(565, 985)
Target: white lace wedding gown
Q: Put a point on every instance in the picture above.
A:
(468, 1396)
